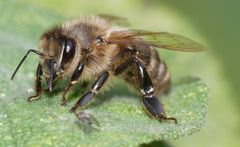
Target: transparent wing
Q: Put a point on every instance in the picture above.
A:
(115, 19)
(156, 39)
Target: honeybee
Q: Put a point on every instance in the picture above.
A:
(96, 47)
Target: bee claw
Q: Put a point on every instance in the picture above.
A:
(162, 117)
(32, 98)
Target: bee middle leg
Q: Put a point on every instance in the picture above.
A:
(38, 87)
(77, 73)
(89, 95)
(150, 101)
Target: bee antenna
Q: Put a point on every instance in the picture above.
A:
(23, 59)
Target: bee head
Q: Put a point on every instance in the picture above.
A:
(59, 51)
(56, 54)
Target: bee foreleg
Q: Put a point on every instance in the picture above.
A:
(150, 101)
(89, 95)
(77, 73)
(38, 87)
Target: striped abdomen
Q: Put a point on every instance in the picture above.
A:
(158, 72)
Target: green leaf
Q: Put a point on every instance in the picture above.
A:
(118, 116)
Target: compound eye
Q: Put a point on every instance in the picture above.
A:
(69, 49)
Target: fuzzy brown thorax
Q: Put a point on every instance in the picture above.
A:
(83, 33)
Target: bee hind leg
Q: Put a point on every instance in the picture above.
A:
(151, 103)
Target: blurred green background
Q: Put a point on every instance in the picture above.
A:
(213, 23)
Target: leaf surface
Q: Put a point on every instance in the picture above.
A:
(118, 116)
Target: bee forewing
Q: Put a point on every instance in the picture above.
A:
(157, 39)
(173, 42)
